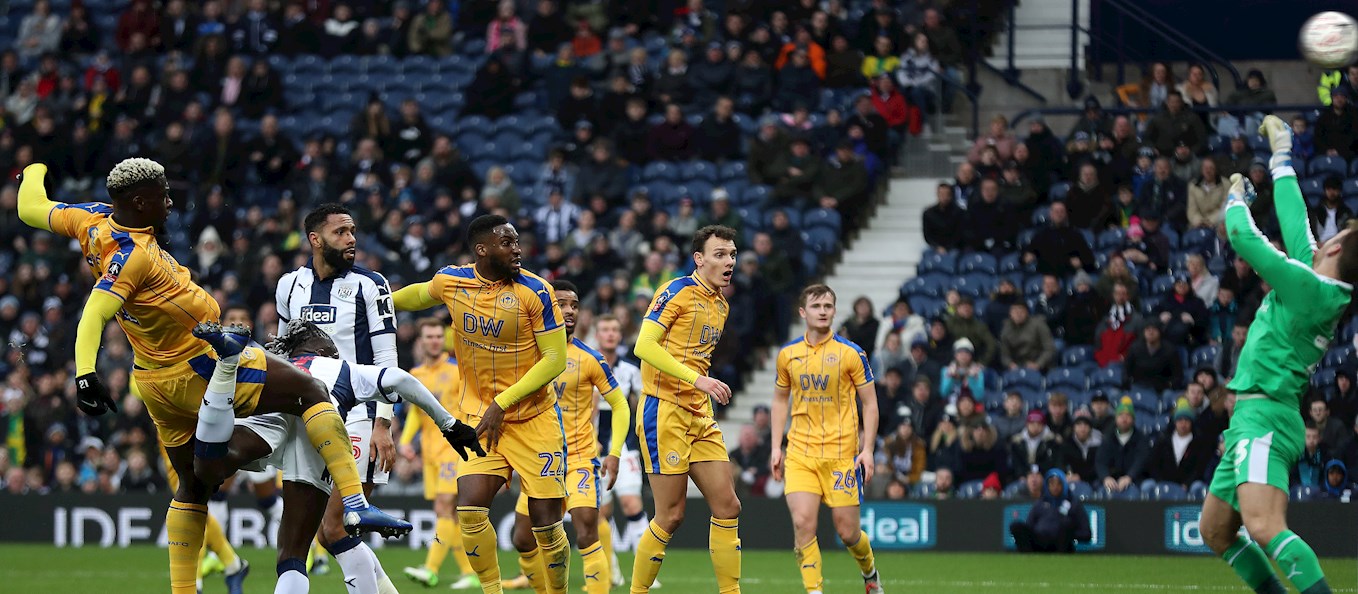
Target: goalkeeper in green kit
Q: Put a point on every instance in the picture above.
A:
(1294, 325)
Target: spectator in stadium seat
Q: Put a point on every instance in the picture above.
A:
(844, 65)
(255, 32)
(882, 61)
(1025, 341)
(1338, 487)
(140, 17)
(296, 33)
(1017, 192)
(1309, 469)
(718, 137)
(140, 476)
(1090, 201)
(1205, 284)
(1183, 315)
(1147, 245)
(903, 454)
(1237, 160)
(1331, 216)
(944, 221)
(1010, 419)
(672, 85)
(1164, 194)
(963, 323)
(1175, 123)
(978, 454)
(1036, 445)
(970, 413)
(796, 172)
(1058, 414)
(491, 93)
(1206, 195)
(80, 36)
(750, 463)
(1050, 303)
(1059, 248)
(547, 30)
(506, 34)
(1180, 455)
(1151, 362)
(1208, 422)
(893, 399)
(944, 484)
(1334, 434)
(720, 213)
(601, 175)
(271, 154)
(1121, 458)
(998, 136)
(753, 84)
(874, 127)
(711, 77)
(1116, 332)
(672, 139)
(1113, 272)
(1080, 451)
(862, 326)
(1055, 523)
(1344, 400)
(630, 134)
(431, 32)
(39, 31)
(581, 104)
(1304, 138)
(926, 410)
(555, 219)
(963, 373)
(996, 312)
(340, 34)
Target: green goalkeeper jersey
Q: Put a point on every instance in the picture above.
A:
(1296, 321)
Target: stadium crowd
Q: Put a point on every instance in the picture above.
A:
(608, 131)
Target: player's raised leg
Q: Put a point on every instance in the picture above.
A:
(1220, 526)
(233, 566)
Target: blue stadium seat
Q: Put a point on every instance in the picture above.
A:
(1323, 166)
(823, 241)
(1198, 240)
(1032, 285)
(1169, 399)
(1066, 378)
(1077, 356)
(936, 284)
(1022, 378)
(1218, 143)
(1059, 191)
(1351, 188)
(1144, 400)
(1150, 302)
(1162, 285)
(824, 217)
(1040, 216)
(525, 101)
(660, 171)
(1011, 263)
(1110, 239)
(1205, 355)
(476, 124)
(982, 263)
(700, 171)
(758, 194)
(1259, 144)
(1337, 356)
(1146, 421)
(1025, 237)
(1198, 492)
(1081, 491)
(1323, 378)
(345, 65)
(969, 490)
(1013, 490)
(1169, 492)
(927, 306)
(1302, 493)
(1312, 189)
(935, 262)
(976, 285)
(732, 170)
(1079, 398)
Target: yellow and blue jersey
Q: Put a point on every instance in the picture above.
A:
(586, 371)
(693, 315)
(495, 328)
(823, 380)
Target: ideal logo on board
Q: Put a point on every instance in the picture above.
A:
(1182, 532)
(900, 526)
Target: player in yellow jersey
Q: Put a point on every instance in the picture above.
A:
(438, 371)
(823, 373)
(157, 305)
(575, 390)
(678, 435)
(510, 344)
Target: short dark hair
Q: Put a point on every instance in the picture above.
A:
(565, 285)
(482, 226)
(235, 305)
(719, 231)
(815, 290)
(1348, 258)
(431, 322)
(319, 215)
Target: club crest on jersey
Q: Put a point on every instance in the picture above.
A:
(507, 300)
(570, 364)
(345, 292)
(831, 358)
(672, 458)
(661, 301)
(319, 314)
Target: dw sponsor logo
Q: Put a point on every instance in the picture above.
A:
(900, 526)
(1097, 520)
(1182, 533)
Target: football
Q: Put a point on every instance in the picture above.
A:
(1329, 40)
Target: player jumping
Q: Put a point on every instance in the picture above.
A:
(439, 372)
(1312, 286)
(823, 373)
(193, 406)
(678, 435)
(510, 341)
(353, 306)
(586, 371)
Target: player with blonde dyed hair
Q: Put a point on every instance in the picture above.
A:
(191, 393)
(822, 373)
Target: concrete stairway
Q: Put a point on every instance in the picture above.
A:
(883, 257)
(1042, 35)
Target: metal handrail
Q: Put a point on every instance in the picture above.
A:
(1227, 109)
(971, 94)
(1179, 40)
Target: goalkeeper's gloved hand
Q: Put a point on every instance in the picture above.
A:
(92, 396)
(463, 437)
(1241, 190)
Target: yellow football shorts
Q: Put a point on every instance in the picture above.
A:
(672, 437)
(837, 481)
(440, 472)
(535, 448)
(584, 486)
(173, 394)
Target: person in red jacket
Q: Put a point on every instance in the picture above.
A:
(900, 116)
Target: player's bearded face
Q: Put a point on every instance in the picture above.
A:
(338, 258)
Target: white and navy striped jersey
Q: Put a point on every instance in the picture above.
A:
(350, 385)
(629, 381)
(353, 307)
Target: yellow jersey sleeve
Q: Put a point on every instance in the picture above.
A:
(74, 220)
(857, 367)
(539, 303)
(126, 270)
(668, 303)
(784, 379)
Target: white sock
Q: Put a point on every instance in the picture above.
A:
(292, 582)
(384, 586)
(219, 510)
(377, 564)
(360, 577)
(234, 567)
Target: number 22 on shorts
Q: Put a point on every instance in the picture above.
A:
(555, 464)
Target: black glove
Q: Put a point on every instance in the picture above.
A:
(92, 397)
(463, 437)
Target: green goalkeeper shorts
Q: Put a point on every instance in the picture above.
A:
(1264, 442)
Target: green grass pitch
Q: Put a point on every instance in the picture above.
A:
(33, 568)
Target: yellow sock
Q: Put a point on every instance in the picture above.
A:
(215, 538)
(438, 550)
(808, 559)
(184, 526)
(530, 564)
(459, 553)
(325, 429)
(595, 560)
(862, 553)
(650, 554)
(723, 542)
(479, 538)
(556, 555)
(606, 540)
